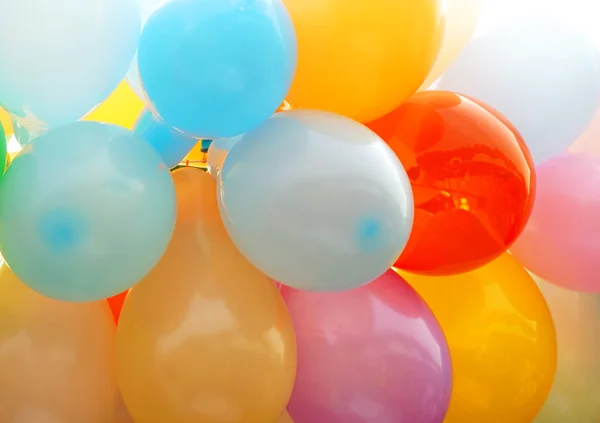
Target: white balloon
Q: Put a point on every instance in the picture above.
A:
(542, 75)
(316, 201)
(133, 75)
(61, 58)
(217, 152)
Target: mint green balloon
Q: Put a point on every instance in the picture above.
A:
(2, 150)
(86, 211)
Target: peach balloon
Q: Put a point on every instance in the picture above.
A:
(56, 358)
(205, 337)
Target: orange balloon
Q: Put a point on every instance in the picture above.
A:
(362, 58)
(116, 304)
(56, 358)
(472, 178)
(205, 337)
(501, 337)
(285, 418)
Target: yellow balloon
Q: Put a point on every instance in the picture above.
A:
(574, 394)
(205, 337)
(461, 20)
(6, 122)
(122, 108)
(501, 337)
(56, 358)
(196, 155)
(362, 58)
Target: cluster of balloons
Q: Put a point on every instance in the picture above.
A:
(297, 211)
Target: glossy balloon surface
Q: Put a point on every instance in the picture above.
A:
(362, 59)
(59, 60)
(217, 69)
(561, 242)
(56, 361)
(375, 354)
(501, 337)
(217, 152)
(316, 201)
(205, 337)
(542, 75)
(86, 210)
(472, 178)
(172, 145)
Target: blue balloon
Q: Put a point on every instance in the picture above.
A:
(86, 211)
(61, 58)
(171, 144)
(217, 69)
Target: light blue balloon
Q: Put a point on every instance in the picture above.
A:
(217, 152)
(86, 210)
(540, 74)
(61, 58)
(133, 76)
(316, 201)
(171, 144)
(216, 69)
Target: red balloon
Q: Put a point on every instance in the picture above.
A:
(116, 304)
(472, 177)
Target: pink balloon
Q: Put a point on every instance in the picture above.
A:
(561, 242)
(375, 354)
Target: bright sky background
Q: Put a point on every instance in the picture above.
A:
(581, 14)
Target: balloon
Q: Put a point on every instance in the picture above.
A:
(543, 76)
(461, 21)
(172, 145)
(61, 58)
(116, 304)
(3, 154)
(471, 175)
(501, 337)
(362, 59)
(235, 63)
(197, 155)
(121, 108)
(56, 361)
(560, 242)
(133, 75)
(574, 394)
(217, 152)
(5, 121)
(285, 418)
(375, 354)
(205, 337)
(122, 414)
(86, 210)
(316, 201)
(589, 142)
